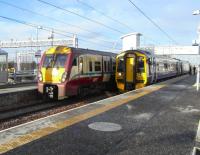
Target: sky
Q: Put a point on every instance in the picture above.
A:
(173, 16)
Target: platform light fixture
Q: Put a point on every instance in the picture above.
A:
(196, 12)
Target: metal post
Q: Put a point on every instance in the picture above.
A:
(37, 38)
(52, 37)
(198, 72)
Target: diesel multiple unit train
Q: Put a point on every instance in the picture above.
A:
(66, 71)
(138, 68)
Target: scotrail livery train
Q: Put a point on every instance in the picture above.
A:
(65, 71)
(138, 68)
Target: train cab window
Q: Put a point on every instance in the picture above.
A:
(60, 60)
(97, 66)
(48, 60)
(140, 63)
(90, 66)
(120, 67)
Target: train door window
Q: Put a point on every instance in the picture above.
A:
(150, 69)
(140, 63)
(97, 66)
(165, 67)
(113, 66)
(108, 66)
(149, 62)
(81, 65)
(105, 66)
(90, 66)
(74, 62)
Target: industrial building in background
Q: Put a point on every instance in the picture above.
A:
(25, 61)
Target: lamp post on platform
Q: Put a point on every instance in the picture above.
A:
(197, 12)
(198, 76)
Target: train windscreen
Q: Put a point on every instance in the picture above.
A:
(55, 60)
(120, 66)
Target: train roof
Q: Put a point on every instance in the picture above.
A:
(145, 52)
(65, 49)
(90, 51)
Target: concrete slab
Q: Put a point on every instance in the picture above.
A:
(159, 119)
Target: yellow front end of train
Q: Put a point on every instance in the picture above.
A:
(131, 70)
(52, 72)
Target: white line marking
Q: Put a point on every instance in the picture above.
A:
(198, 133)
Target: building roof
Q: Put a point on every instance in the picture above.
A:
(2, 52)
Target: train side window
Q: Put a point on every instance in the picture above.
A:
(97, 66)
(74, 62)
(90, 66)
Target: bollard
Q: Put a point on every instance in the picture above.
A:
(198, 72)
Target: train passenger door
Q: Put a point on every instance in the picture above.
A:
(106, 68)
(141, 75)
(130, 72)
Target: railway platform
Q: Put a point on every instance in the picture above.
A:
(13, 96)
(158, 119)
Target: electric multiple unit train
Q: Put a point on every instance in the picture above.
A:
(138, 68)
(65, 71)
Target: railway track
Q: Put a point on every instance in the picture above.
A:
(12, 117)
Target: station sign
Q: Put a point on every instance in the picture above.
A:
(38, 54)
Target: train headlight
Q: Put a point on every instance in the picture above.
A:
(64, 77)
(40, 76)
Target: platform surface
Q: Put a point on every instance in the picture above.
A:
(17, 89)
(161, 119)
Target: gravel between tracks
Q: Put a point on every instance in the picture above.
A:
(27, 114)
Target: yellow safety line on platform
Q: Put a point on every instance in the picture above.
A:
(19, 141)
